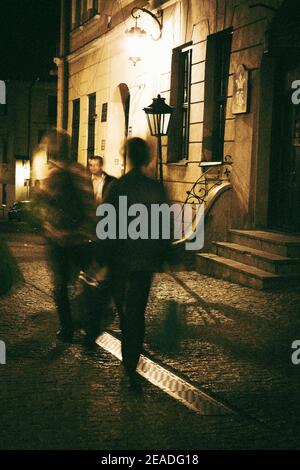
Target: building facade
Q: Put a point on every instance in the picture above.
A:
(27, 111)
(227, 68)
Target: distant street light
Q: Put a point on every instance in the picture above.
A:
(159, 115)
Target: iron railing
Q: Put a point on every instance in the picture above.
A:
(208, 181)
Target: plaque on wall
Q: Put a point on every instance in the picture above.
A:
(240, 90)
(104, 112)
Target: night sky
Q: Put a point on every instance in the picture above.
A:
(29, 33)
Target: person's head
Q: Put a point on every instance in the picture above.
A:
(138, 152)
(96, 165)
(58, 145)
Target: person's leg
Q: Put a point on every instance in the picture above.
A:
(98, 308)
(133, 318)
(60, 265)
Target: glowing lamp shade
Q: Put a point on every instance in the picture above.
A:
(136, 38)
(159, 116)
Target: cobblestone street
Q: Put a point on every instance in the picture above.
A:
(232, 342)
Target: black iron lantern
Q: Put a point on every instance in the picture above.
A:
(159, 115)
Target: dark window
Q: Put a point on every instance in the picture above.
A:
(95, 6)
(75, 129)
(104, 112)
(3, 150)
(91, 125)
(216, 86)
(4, 194)
(178, 147)
(52, 110)
(41, 134)
(77, 13)
(84, 12)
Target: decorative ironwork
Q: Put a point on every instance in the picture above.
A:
(158, 18)
(208, 181)
(198, 194)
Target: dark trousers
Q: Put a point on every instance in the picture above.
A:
(130, 292)
(65, 263)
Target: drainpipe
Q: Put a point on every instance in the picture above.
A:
(62, 63)
(29, 115)
(31, 85)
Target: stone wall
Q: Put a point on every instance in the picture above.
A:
(14, 129)
(101, 64)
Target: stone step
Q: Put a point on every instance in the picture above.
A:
(270, 262)
(273, 242)
(240, 273)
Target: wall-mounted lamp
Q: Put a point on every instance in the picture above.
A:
(136, 35)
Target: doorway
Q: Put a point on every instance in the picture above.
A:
(284, 195)
(120, 120)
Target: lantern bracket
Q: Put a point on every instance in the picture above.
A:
(158, 18)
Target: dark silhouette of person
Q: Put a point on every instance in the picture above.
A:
(66, 210)
(132, 262)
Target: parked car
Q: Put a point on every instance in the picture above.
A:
(19, 211)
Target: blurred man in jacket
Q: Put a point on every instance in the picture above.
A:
(100, 180)
(133, 261)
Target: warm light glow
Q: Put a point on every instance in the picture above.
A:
(40, 165)
(22, 174)
(137, 39)
(158, 124)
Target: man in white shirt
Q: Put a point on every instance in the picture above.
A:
(100, 179)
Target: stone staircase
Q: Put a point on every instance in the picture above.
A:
(254, 258)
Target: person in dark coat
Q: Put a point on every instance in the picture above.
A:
(66, 210)
(132, 262)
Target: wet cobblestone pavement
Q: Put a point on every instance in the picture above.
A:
(233, 342)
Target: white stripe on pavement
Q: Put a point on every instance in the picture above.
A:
(181, 390)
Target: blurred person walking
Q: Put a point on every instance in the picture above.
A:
(132, 262)
(67, 213)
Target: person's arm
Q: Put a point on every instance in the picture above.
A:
(171, 254)
(111, 193)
